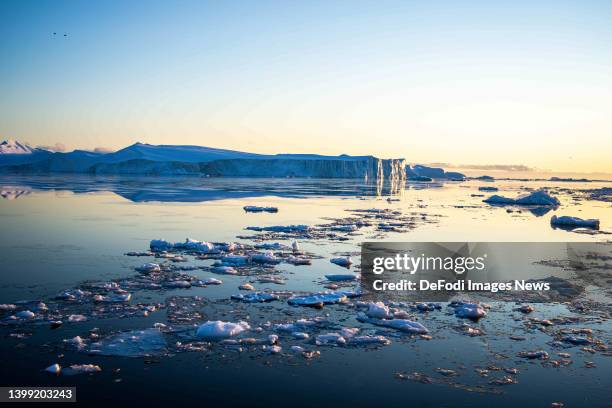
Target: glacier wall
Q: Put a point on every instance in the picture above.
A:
(369, 168)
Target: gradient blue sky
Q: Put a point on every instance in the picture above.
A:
(460, 82)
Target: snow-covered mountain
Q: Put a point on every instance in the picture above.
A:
(14, 147)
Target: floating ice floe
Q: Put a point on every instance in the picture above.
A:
(533, 355)
(573, 222)
(295, 246)
(196, 246)
(330, 339)
(256, 297)
(81, 369)
(298, 260)
(341, 277)
(486, 188)
(254, 208)
(318, 299)
(367, 340)
(112, 298)
(74, 318)
(246, 286)
(577, 340)
(224, 270)
(539, 197)
(148, 268)
(300, 335)
(212, 281)
(403, 325)
(25, 314)
(75, 294)
(136, 343)
(468, 310)
(340, 261)
(235, 260)
(271, 245)
(6, 306)
(218, 330)
(178, 284)
(266, 258)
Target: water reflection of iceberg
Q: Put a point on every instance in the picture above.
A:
(197, 189)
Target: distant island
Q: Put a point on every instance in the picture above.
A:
(169, 160)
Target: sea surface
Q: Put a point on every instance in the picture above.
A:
(60, 232)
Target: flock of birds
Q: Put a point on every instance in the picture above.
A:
(65, 35)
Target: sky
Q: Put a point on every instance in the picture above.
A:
(480, 83)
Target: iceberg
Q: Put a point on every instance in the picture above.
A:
(539, 197)
(573, 222)
(219, 330)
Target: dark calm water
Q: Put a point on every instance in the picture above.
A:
(57, 232)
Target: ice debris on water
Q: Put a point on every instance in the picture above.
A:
(136, 343)
(539, 197)
(224, 270)
(573, 222)
(76, 318)
(81, 369)
(212, 281)
(318, 299)
(219, 330)
(281, 228)
(533, 355)
(246, 286)
(378, 310)
(25, 314)
(148, 268)
(254, 208)
(403, 325)
(255, 297)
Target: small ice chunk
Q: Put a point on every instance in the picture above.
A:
(300, 335)
(272, 339)
(81, 369)
(266, 258)
(224, 270)
(486, 188)
(344, 262)
(7, 306)
(378, 310)
(212, 281)
(330, 339)
(297, 349)
(76, 318)
(295, 246)
(246, 286)
(275, 349)
(148, 268)
(196, 246)
(219, 330)
(54, 369)
(235, 259)
(179, 284)
(254, 208)
(255, 297)
(369, 340)
(25, 314)
(468, 310)
(318, 299)
(574, 222)
(76, 341)
(532, 355)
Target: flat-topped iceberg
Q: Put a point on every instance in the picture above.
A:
(219, 330)
(573, 222)
(539, 197)
(255, 297)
